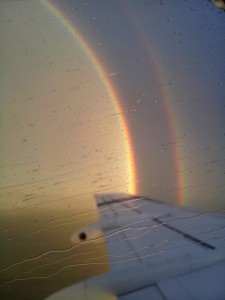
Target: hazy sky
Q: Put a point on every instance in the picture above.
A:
(167, 65)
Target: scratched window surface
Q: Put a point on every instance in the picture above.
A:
(96, 97)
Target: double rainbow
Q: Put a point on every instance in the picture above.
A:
(166, 97)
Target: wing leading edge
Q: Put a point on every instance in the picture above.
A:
(155, 250)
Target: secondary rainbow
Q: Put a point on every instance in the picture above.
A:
(169, 106)
(53, 9)
(174, 131)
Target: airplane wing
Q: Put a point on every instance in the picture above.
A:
(155, 250)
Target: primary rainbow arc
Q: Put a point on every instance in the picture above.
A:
(131, 185)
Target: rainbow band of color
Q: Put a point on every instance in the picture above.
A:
(131, 185)
(173, 127)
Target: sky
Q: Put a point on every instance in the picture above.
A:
(165, 61)
(103, 96)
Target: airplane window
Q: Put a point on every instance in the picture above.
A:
(102, 97)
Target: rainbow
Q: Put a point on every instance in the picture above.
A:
(53, 9)
(169, 106)
(174, 132)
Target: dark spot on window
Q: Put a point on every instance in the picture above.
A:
(82, 236)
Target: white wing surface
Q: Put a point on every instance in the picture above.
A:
(156, 251)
